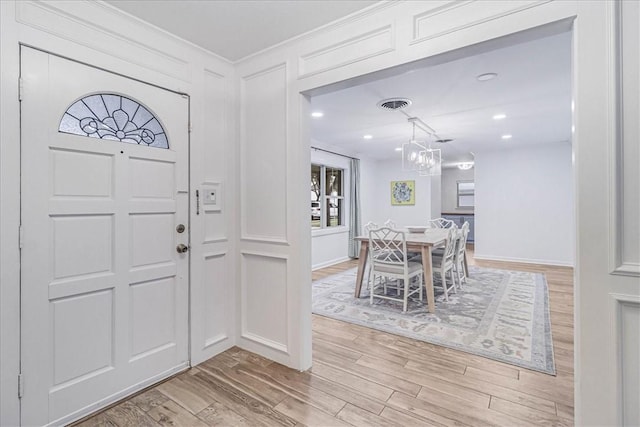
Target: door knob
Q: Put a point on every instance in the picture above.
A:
(181, 249)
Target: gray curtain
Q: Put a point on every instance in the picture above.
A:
(354, 208)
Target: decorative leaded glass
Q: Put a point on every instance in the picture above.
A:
(113, 117)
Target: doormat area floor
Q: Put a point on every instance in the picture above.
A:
(499, 314)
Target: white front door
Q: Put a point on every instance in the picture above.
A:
(104, 188)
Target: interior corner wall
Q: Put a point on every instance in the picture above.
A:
(524, 205)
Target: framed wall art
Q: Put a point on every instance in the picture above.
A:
(403, 193)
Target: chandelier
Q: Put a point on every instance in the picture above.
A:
(419, 156)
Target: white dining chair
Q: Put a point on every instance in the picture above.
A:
(443, 264)
(368, 227)
(388, 260)
(441, 223)
(460, 254)
(391, 224)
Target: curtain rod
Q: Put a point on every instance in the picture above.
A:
(333, 152)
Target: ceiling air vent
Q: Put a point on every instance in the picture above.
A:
(393, 104)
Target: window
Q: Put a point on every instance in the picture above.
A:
(466, 194)
(327, 196)
(113, 117)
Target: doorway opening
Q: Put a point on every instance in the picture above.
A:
(501, 114)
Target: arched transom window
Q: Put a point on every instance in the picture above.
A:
(113, 117)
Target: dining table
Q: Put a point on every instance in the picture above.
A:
(422, 242)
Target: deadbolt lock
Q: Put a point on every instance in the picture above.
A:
(181, 249)
(180, 228)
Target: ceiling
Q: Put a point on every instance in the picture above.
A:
(533, 90)
(234, 29)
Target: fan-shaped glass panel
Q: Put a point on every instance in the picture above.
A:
(113, 117)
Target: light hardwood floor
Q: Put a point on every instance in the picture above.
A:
(364, 377)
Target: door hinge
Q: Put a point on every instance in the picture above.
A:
(20, 236)
(20, 386)
(20, 88)
(190, 127)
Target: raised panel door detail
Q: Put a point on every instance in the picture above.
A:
(152, 316)
(82, 329)
(81, 174)
(152, 179)
(82, 244)
(152, 239)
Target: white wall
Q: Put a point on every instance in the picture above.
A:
(331, 245)
(524, 205)
(376, 184)
(450, 178)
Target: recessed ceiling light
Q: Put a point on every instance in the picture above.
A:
(368, 136)
(486, 76)
(398, 148)
(465, 166)
(317, 114)
(499, 116)
(506, 136)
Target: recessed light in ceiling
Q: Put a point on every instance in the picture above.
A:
(486, 76)
(507, 136)
(465, 166)
(499, 116)
(367, 136)
(398, 148)
(443, 141)
(317, 114)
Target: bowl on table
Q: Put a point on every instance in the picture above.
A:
(417, 228)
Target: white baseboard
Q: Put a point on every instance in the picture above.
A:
(522, 260)
(329, 263)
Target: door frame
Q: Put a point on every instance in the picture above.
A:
(162, 376)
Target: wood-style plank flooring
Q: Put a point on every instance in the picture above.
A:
(363, 377)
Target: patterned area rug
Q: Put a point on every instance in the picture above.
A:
(499, 314)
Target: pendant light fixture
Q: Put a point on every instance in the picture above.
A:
(420, 157)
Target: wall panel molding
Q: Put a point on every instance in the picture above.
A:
(454, 16)
(625, 322)
(264, 156)
(624, 107)
(222, 336)
(264, 285)
(367, 45)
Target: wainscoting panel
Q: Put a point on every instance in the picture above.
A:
(263, 155)
(264, 302)
(354, 49)
(215, 124)
(218, 295)
(626, 182)
(625, 310)
(454, 16)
